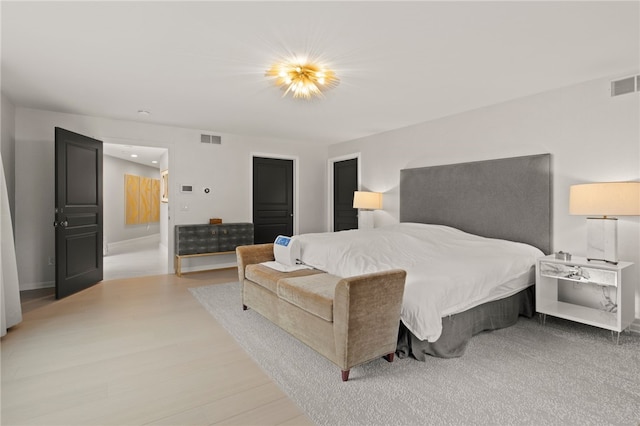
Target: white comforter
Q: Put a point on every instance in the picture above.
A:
(448, 271)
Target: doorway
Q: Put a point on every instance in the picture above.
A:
(133, 250)
(344, 179)
(345, 183)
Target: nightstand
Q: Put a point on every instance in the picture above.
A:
(621, 280)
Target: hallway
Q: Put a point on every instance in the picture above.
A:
(135, 259)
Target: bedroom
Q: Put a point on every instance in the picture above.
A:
(591, 136)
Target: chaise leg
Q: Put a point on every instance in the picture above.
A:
(244, 307)
(345, 375)
(389, 357)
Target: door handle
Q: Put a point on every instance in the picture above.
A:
(63, 224)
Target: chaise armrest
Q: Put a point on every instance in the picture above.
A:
(366, 320)
(249, 255)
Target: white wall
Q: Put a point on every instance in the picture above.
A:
(113, 171)
(225, 168)
(7, 147)
(164, 208)
(592, 138)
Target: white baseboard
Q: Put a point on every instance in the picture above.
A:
(36, 286)
(184, 269)
(148, 239)
(635, 326)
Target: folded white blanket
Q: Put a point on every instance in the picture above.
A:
(284, 268)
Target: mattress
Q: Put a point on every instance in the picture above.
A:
(448, 270)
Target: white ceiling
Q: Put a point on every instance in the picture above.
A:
(144, 155)
(201, 64)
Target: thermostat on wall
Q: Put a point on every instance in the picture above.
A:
(186, 189)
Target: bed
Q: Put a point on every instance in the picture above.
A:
(468, 238)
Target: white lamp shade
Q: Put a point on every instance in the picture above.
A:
(367, 200)
(605, 199)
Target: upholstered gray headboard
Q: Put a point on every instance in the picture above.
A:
(507, 198)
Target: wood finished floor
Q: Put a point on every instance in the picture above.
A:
(139, 351)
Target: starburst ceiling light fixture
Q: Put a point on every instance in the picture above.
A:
(304, 79)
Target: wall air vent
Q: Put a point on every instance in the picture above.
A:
(216, 140)
(624, 86)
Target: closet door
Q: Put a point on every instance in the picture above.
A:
(272, 198)
(345, 183)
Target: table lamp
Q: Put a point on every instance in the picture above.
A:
(604, 200)
(366, 202)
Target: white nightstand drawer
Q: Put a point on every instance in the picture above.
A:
(579, 273)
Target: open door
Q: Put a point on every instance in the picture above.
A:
(78, 212)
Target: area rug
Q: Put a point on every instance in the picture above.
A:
(559, 373)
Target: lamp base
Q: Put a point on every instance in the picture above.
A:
(602, 239)
(365, 219)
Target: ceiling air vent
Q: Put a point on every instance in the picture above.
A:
(624, 86)
(216, 140)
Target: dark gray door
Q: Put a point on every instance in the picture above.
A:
(345, 183)
(78, 212)
(272, 198)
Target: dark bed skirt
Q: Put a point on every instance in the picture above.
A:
(458, 329)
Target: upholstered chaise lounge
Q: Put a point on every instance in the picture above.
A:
(349, 321)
